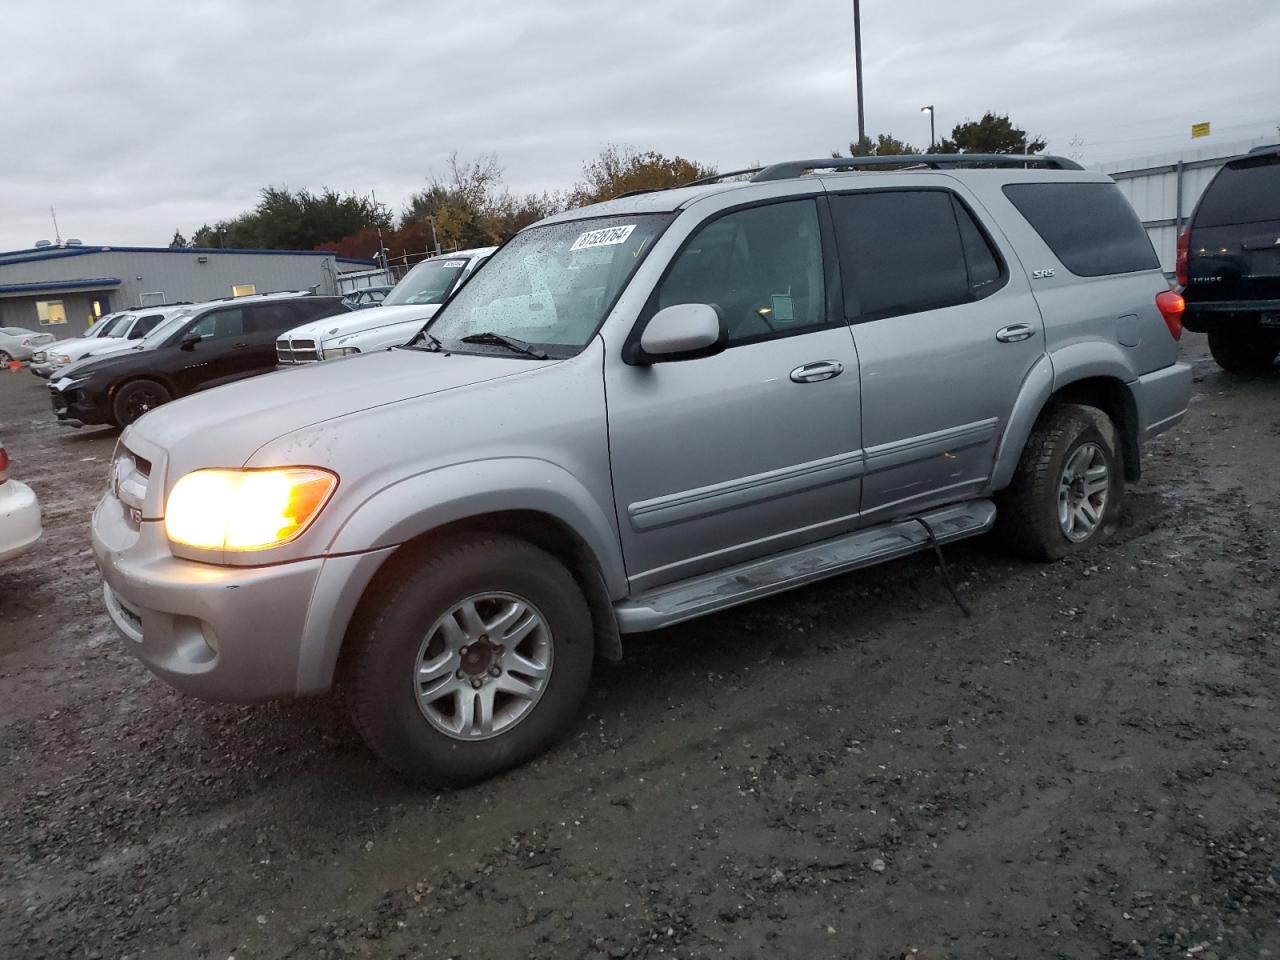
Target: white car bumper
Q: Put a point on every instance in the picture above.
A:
(19, 519)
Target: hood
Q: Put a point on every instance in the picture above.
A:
(83, 367)
(359, 321)
(95, 345)
(228, 423)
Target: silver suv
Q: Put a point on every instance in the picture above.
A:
(638, 413)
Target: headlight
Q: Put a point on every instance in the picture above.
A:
(62, 360)
(245, 509)
(333, 353)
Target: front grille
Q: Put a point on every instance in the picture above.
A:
(296, 351)
(59, 400)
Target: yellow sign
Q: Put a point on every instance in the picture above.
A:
(1199, 130)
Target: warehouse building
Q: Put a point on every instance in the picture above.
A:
(63, 289)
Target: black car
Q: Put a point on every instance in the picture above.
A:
(1229, 262)
(210, 344)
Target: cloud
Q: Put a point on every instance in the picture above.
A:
(143, 118)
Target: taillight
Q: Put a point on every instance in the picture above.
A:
(1171, 307)
(1182, 256)
(4, 465)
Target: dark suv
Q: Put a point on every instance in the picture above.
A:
(1229, 262)
(207, 345)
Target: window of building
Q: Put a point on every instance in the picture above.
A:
(906, 251)
(760, 267)
(243, 289)
(50, 312)
(1090, 227)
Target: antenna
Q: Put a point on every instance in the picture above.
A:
(57, 237)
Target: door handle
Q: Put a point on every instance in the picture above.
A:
(1015, 332)
(240, 346)
(817, 371)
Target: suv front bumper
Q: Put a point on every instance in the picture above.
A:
(229, 634)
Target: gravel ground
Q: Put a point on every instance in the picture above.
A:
(1086, 768)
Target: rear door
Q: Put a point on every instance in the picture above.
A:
(946, 332)
(1234, 249)
(264, 323)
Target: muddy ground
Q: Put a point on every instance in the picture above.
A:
(1089, 767)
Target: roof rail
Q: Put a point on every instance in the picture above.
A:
(931, 161)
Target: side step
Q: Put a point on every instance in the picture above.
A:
(676, 602)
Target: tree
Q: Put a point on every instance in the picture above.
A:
(883, 146)
(472, 207)
(994, 133)
(622, 169)
(285, 220)
(178, 239)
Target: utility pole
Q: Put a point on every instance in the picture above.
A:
(857, 65)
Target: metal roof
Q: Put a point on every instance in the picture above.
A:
(33, 254)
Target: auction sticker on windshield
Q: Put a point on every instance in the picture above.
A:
(603, 238)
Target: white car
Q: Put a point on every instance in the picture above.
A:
(18, 343)
(19, 514)
(118, 332)
(413, 302)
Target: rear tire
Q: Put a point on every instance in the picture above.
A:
(1065, 495)
(1238, 353)
(136, 398)
(439, 630)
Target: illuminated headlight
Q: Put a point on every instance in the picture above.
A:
(333, 353)
(245, 509)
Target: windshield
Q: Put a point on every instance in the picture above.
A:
(162, 333)
(112, 327)
(551, 286)
(428, 282)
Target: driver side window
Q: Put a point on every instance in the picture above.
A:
(218, 324)
(761, 268)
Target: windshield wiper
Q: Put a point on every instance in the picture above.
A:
(501, 340)
(433, 344)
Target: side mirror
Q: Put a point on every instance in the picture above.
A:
(189, 341)
(684, 331)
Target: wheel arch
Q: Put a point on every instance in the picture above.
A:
(1103, 386)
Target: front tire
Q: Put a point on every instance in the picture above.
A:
(4, 358)
(1065, 495)
(1237, 353)
(468, 656)
(136, 398)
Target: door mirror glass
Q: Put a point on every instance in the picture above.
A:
(682, 332)
(190, 340)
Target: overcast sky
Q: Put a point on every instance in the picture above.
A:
(137, 118)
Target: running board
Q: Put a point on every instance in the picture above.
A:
(676, 602)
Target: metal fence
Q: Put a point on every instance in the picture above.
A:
(1164, 189)
(395, 266)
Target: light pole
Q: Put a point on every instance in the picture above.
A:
(857, 65)
(932, 139)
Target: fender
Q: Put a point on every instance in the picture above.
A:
(1053, 372)
(427, 501)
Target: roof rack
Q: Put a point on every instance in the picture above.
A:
(931, 161)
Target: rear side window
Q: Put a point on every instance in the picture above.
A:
(1244, 191)
(145, 325)
(271, 318)
(906, 251)
(1090, 227)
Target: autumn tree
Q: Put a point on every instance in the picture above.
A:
(621, 169)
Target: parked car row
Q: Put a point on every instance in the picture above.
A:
(111, 334)
(829, 364)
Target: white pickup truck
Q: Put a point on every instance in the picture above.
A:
(413, 302)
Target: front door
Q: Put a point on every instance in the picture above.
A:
(946, 329)
(221, 354)
(724, 458)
